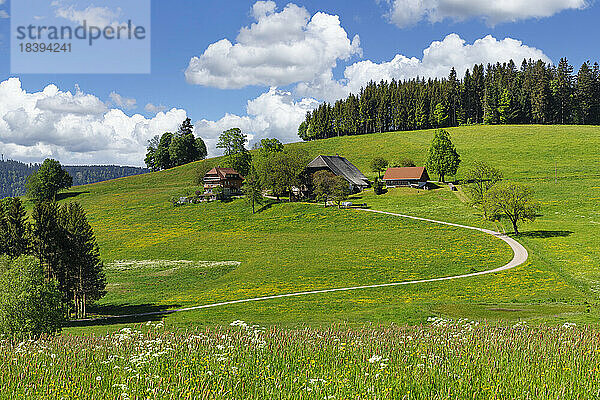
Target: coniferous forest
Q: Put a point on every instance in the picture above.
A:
(13, 175)
(534, 93)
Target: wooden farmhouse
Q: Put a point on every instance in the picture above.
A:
(227, 178)
(408, 177)
(340, 166)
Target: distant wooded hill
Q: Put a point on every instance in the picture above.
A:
(535, 93)
(13, 175)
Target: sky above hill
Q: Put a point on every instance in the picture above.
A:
(261, 66)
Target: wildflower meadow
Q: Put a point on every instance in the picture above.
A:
(441, 360)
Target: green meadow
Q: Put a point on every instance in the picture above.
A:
(227, 253)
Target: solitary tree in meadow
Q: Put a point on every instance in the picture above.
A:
(512, 201)
(480, 178)
(46, 182)
(253, 190)
(443, 159)
(379, 164)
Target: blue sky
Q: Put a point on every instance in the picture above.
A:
(305, 57)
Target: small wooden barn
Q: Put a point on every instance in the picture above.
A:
(406, 177)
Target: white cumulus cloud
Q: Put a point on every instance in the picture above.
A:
(279, 49)
(437, 61)
(74, 127)
(404, 13)
(78, 128)
(274, 114)
(123, 102)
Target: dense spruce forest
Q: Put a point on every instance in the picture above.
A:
(13, 175)
(535, 93)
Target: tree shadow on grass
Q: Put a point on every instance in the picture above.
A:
(68, 195)
(124, 314)
(267, 205)
(546, 234)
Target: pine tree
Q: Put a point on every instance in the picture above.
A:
(86, 279)
(48, 242)
(540, 96)
(507, 110)
(453, 97)
(595, 111)
(478, 92)
(15, 226)
(441, 116)
(562, 87)
(585, 94)
(3, 230)
(490, 100)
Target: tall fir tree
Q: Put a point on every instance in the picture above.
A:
(87, 282)
(16, 227)
(562, 88)
(584, 93)
(48, 242)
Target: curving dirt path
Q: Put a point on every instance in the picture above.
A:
(520, 257)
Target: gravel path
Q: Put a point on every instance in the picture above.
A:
(520, 257)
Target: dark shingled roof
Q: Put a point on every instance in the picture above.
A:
(340, 167)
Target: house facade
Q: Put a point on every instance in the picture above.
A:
(406, 177)
(227, 178)
(340, 166)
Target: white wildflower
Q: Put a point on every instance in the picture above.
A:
(375, 359)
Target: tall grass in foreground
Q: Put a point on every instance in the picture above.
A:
(445, 360)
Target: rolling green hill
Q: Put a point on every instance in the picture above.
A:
(295, 247)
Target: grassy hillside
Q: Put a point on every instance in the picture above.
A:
(291, 247)
(563, 240)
